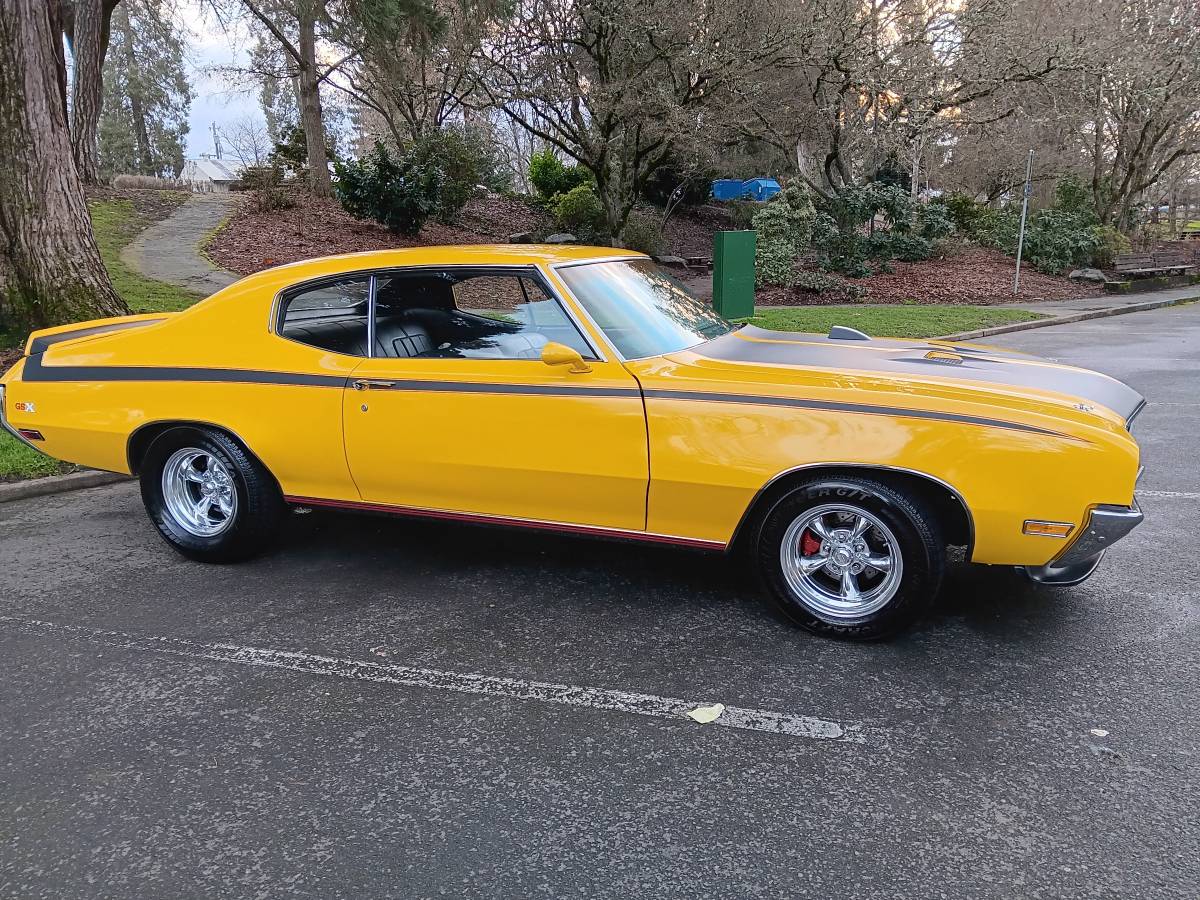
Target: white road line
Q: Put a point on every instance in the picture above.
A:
(1185, 495)
(459, 682)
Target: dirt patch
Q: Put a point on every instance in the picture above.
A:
(964, 275)
(253, 241)
(969, 275)
(9, 356)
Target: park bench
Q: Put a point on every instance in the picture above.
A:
(1163, 262)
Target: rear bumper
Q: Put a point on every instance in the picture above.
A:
(1104, 527)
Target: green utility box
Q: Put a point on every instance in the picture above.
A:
(733, 274)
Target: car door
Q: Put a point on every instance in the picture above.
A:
(455, 411)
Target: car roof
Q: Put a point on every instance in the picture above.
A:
(459, 255)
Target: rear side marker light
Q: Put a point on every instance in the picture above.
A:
(1047, 529)
(30, 435)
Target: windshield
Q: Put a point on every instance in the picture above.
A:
(642, 310)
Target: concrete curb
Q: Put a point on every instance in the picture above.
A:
(57, 484)
(1067, 319)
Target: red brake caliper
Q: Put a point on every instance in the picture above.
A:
(809, 543)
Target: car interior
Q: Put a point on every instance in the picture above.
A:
(417, 317)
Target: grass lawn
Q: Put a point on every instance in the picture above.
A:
(117, 222)
(890, 321)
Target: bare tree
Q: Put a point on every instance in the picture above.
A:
(248, 139)
(53, 270)
(621, 86)
(1143, 117)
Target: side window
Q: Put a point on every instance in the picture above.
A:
(532, 318)
(456, 314)
(331, 316)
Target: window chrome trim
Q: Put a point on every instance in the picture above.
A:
(372, 287)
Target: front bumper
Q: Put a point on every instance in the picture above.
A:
(1104, 527)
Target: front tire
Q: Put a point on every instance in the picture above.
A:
(208, 496)
(850, 557)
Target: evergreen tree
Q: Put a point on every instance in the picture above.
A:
(146, 93)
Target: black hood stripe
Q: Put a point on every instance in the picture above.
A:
(858, 408)
(897, 358)
(34, 371)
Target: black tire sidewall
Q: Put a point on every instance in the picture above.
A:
(237, 542)
(913, 527)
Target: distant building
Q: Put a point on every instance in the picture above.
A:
(207, 176)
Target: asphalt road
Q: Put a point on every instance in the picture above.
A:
(174, 730)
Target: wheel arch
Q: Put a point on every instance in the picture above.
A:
(952, 510)
(144, 435)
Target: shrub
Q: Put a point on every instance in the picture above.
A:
(933, 221)
(1055, 239)
(144, 183)
(643, 232)
(464, 159)
(742, 213)
(823, 283)
(1110, 243)
(837, 234)
(579, 211)
(551, 177)
(265, 184)
(783, 228)
(966, 213)
(399, 192)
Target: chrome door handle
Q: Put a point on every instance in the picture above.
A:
(372, 384)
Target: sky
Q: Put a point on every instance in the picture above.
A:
(218, 99)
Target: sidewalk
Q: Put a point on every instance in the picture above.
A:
(170, 250)
(1062, 312)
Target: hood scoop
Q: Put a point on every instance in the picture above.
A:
(844, 333)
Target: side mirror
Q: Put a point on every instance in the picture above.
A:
(555, 354)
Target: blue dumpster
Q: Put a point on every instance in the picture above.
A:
(751, 189)
(727, 189)
(760, 188)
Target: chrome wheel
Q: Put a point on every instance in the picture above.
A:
(198, 492)
(841, 562)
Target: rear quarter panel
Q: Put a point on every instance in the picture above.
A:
(294, 429)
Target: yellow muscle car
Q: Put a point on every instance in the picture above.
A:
(582, 390)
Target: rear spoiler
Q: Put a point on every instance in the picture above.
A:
(40, 340)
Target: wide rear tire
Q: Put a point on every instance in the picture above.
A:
(850, 557)
(208, 496)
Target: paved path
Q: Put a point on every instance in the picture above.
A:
(1024, 742)
(170, 250)
(1108, 301)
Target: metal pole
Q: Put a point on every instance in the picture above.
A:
(1024, 213)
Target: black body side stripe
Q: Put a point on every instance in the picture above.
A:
(40, 344)
(35, 371)
(837, 406)
(474, 387)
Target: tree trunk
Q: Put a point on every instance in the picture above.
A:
(141, 133)
(53, 271)
(311, 119)
(89, 44)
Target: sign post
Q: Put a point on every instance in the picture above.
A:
(1024, 212)
(733, 273)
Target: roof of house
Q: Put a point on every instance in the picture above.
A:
(214, 169)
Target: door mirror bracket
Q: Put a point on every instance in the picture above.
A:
(555, 354)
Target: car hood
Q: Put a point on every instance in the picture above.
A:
(924, 361)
